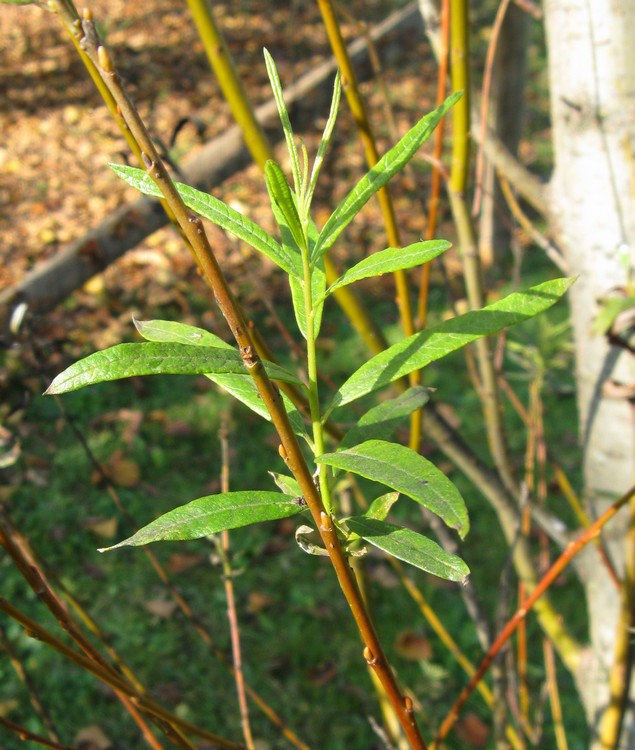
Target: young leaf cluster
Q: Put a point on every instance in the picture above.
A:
(367, 449)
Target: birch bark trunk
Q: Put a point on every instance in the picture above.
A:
(592, 88)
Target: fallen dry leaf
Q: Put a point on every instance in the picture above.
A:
(257, 601)
(178, 428)
(91, 738)
(413, 646)
(6, 707)
(103, 527)
(161, 608)
(124, 472)
(181, 561)
(473, 730)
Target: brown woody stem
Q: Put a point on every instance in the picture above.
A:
(192, 228)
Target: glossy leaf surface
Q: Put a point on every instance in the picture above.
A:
(214, 513)
(381, 422)
(130, 360)
(391, 163)
(216, 211)
(389, 260)
(404, 470)
(410, 547)
(241, 386)
(417, 351)
(280, 195)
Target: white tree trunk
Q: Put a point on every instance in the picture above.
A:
(591, 47)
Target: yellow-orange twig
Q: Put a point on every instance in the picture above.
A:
(552, 574)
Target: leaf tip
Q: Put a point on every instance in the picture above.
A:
(138, 324)
(101, 550)
(54, 389)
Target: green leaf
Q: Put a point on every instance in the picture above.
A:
(380, 507)
(318, 284)
(290, 246)
(391, 163)
(404, 470)
(130, 360)
(240, 386)
(280, 194)
(283, 114)
(381, 421)
(214, 513)
(410, 547)
(390, 260)
(243, 389)
(216, 211)
(610, 310)
(287, 485)
(326, 139)
(179, 333)
(417, 351)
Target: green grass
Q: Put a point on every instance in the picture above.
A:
(302, 634)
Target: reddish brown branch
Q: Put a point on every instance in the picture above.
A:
(25, 734)
(552, 574)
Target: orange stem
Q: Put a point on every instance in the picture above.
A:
(552, 574)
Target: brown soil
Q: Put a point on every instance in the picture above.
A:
(58, 138)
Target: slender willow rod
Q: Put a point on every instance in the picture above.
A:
(552, 574)
(110, 677)
(490, 397)
(358, 110)
(25, 734)
(290, 450)
(13, 544)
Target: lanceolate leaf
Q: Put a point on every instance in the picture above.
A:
(380, 422)
(404, 470)
(214, 513)
(240, 386)
(280, 195)
(180, 333)
(380, 507)
(410, 547)
(276, 87)
(287, 485)
(417, 351)
(243, 389)
(390, 260)
(326, 139)
(318, 284)
(129, 360)
(216, 211)
(378, 176)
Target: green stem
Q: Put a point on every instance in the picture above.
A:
(289, 446)
(358, 110)
(314, 396)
